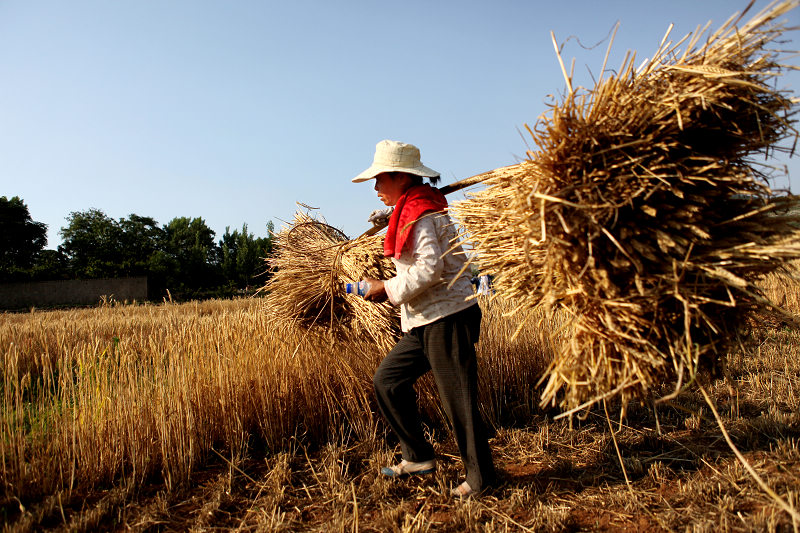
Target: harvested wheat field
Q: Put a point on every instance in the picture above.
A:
(206, 416)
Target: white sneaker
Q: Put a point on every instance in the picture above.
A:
(462, 492)
(407, 468)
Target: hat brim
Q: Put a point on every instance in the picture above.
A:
(374, 170)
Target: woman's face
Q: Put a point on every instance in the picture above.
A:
(391, 186)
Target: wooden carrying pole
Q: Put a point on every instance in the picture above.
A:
(449, 188)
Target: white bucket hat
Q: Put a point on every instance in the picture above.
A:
(394, 156)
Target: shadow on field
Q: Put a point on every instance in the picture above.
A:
(682, 440)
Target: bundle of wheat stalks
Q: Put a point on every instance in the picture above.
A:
(644, 215)
(312, 263)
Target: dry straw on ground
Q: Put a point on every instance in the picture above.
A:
(312, 264)
(120, 416)
(644, 214)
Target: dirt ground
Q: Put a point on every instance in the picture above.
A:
(553, 478)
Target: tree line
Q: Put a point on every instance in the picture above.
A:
(181, 256)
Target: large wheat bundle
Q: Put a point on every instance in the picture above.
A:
(312, 263)
(645, 215)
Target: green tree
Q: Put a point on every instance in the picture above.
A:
(95, 245)
(190, 248)
(181, 256)
(268, 238)
(264, 251)
(92, 244)
(21, 239)
(141, 239)
(228, 250)
(50, 265)
(242, 255)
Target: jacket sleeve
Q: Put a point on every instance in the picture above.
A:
(426, 266)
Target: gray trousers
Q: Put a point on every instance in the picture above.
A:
(447, 348)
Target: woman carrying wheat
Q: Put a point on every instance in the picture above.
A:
(440, 321)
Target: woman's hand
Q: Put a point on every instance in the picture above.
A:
(376, 292)
(380, 217)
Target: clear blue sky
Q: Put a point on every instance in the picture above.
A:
(235, 110)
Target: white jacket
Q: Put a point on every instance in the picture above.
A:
(426, 266)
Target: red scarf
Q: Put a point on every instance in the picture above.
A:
(416, 201)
